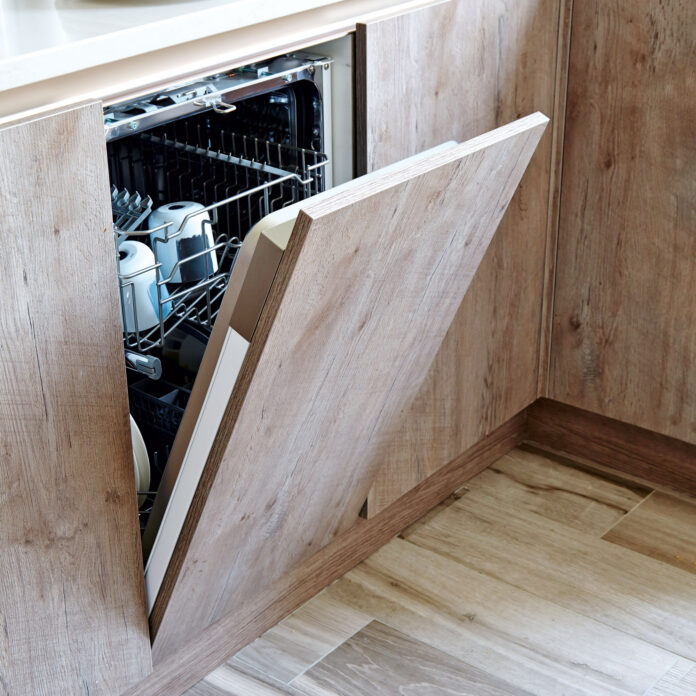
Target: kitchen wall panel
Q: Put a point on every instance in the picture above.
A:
(624, 329)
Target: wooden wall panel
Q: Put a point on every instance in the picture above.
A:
(370, 281)
(72, 604)
(624, 335)
(450, 72)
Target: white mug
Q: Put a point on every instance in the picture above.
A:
(189, 232)
(139, 293)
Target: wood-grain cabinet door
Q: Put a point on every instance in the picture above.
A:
(72, 607)
(369, 283)
(456, 70)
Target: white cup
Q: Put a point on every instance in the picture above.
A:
(190, 232)
(139, 293)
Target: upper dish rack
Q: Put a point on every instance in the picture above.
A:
(238, 179)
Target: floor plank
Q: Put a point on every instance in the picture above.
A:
(624, 589)
(237, 679)
(302, 639)
(512, 586)
(205, 688)
(383, 662)
(578, 498)
(498, 628)
(663, 527)
(679, 681)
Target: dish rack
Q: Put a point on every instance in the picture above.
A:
(238, 179)
(158, 407)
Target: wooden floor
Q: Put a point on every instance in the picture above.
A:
(536, 578)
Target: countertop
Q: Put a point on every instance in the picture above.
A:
(42, 39)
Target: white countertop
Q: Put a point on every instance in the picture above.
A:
(42, 39)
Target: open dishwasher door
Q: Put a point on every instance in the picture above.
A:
(250, 282)
(356, 307)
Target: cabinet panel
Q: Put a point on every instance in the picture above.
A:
(455, 71)
(71, 586)
(624, 333)
(370, 280)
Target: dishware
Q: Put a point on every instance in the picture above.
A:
(141, 462)
(138, 280)
(189, 233)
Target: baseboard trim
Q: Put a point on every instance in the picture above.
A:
(178, 672)
(594, 439)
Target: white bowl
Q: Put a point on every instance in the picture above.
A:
(190, 232)
(139, 293)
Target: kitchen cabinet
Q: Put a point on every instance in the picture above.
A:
(463, 68)
(370, 306)
(72, 603)
(383, 354)
(624, 325)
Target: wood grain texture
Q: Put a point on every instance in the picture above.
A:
(235, 679)
(565, 19)
(452, 72)
(679, 681)
(482, 619)
(580, 499)
(363, 297)
(424, 603)
(663, 527)
(305, 637)
(624, 336)
(72, 600)
(630, 592)
(380, 661)
(206, 688)
(237, 629)
(626, 448)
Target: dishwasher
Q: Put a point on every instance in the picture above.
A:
(193, 169)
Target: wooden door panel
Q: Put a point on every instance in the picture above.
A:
(71, 586)
(624, 331)
(363, 297)
(455, 71)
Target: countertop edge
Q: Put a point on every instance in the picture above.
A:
(81, 54)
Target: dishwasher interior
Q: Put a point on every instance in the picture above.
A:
(192, 169)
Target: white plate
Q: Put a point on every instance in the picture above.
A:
(141, 461)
